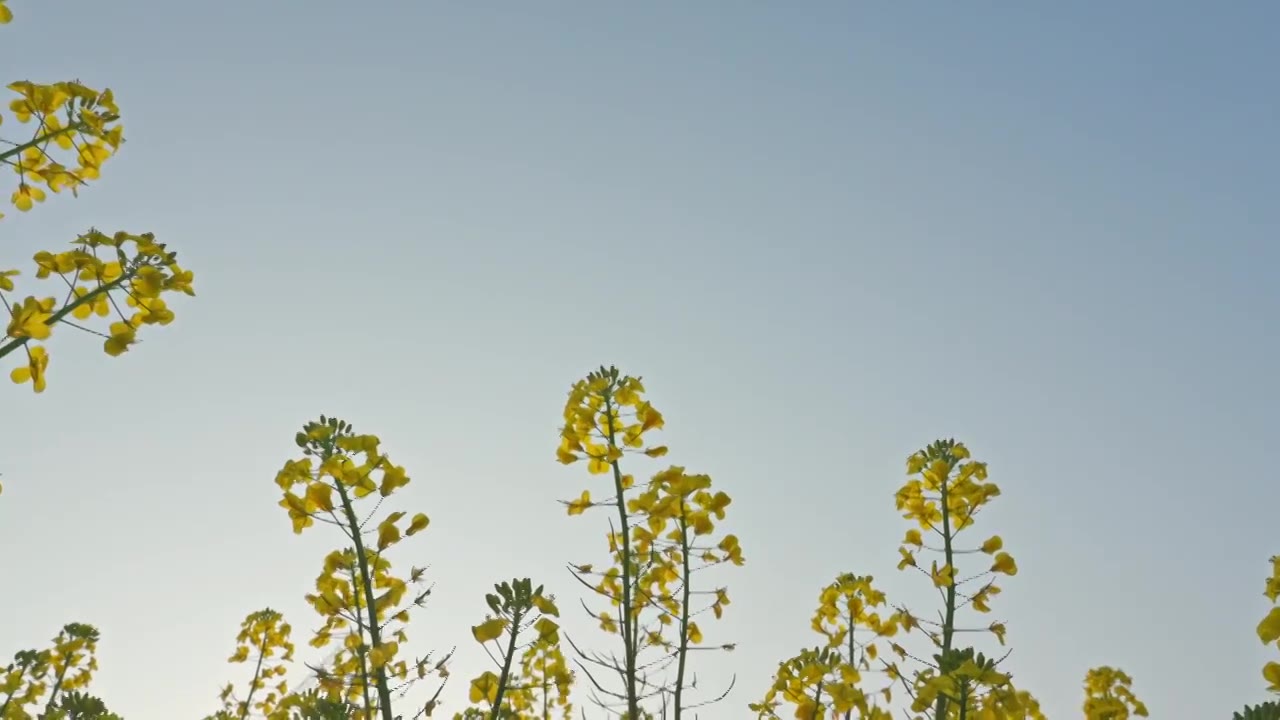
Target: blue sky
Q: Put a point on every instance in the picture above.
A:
(825, 234)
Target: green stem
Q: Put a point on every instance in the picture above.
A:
(948, 625)
(546, 689)
(375, 632)
(363, 659)
(257, 672)
(36, 141)
(628, 635)
(57, 686)
(684, 607)
(848, 714)
(506, 665)
(67, 309)
(364, 671)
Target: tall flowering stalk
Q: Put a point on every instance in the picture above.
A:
(828, 680)
(52, 680)
(660, 536)
(943, 495)
(360, 600)
(523, 641)
(264, 640)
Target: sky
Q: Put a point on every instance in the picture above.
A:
(824, 233)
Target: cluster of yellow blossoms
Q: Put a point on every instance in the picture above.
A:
(972, 688)
(946, 491)
(340, 599)
(338, 450)
(663, 534)
(1269, 628)
(605, 416)
(74, 130)
(826, 680)
(818, 683)
(1108, 695)
(356, 594)
(59, 671)
(140, 269)
(264, 637)
(542, 680)
(104, 273)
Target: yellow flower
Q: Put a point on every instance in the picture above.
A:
(381, 655)
(992, 544)
(945, 577)
(545, 606)
(122, 336)
(600, 459)
(981, 598)
(1004, 563)
(388, 533)
(152, 310)
(320, 495)
(732, 550)
(999, 630)
(37, 361)
(649, 417)
(908, 560)
(489, 630)
(577, 507)
(392, 477)
(607, 623)
(655, 452)
(180, 280)
(1271, 672)
(485, 687)
(418, 524)
(28, 318)
(548, 630)
(26, 196)
(1269, 628)
(98, 305)
(298, 512)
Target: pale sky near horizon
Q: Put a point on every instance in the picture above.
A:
(824, 233)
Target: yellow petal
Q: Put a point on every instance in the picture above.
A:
(1269, 628)
(1271, 672)
(489, 630)
(1004, 563)
(388, 534)
(418, 524)
(548, 630)
(545, 606)
(577, 507)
